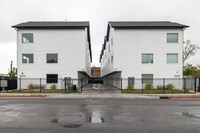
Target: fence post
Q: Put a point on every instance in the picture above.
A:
(101, 88)
(198, 85)
(60, 84)
(65, 82)
(184, 83)
(142, 87)
(40, 86)
(121, 85)
(0, 85)
(20, 87)
(195, 85)
(163, 85)
(199, 81)
(81, 85)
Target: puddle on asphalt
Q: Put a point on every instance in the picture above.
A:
(189, 115)
(96, 118)
(98, 115)
(72, 126)
(82, 105)
(9, 112)
(54, 121)
(87, 114)
(11, 107)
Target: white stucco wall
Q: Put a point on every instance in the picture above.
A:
(87, 55)
(106, 64)
(71, 45)
(130, 44)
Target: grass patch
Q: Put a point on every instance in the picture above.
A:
(70, 91)
(154, 91)
(42, 91)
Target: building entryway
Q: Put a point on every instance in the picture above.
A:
(96, 85)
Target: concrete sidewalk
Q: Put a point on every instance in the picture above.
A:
(98, 95)
(103, 95)
(79, 95)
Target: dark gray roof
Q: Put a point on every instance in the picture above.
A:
(146, 24)
(57, 25)
(51, 24)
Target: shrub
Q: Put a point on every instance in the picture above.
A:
(170, 86)
(149, 86)
(130, 86)
(53, 87)
(186, 90)
(31, 86)
(69, 86)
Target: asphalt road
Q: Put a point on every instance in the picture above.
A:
(46, 115)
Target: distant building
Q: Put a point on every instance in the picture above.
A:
(95, 72)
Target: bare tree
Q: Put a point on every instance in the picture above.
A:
(189, 50)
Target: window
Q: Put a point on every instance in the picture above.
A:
(93, 72)
(27, 37)
(52, 78)
(109, 47)
(27, 58)
(112, 41)
(52, 58)
(172, 37)
(147, 58)
(131, 80)
(112, 59)
(147, 78)
(172, 58)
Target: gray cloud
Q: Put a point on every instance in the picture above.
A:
(98, 12)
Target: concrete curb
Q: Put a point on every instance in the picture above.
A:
(21, 96)
(171, 96)
(103, 97)
(192, 96)
(79, 95)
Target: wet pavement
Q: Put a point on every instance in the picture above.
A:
(26, 115)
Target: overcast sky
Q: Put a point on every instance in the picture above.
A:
(98, 12)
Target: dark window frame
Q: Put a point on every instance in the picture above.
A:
(93, 71)
(172, 33)
(23, 54)
(51, 61)
(23, 36)
(51, 79)
(147, 62)
(171, 62)
(147, 81)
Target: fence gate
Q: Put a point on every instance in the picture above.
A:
(94, 85)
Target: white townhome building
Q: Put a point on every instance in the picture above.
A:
(53, 50)
(143, 50)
